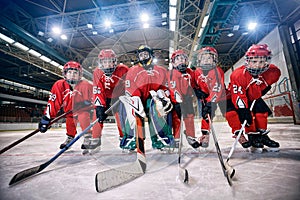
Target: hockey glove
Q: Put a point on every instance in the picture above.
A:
(44, 124)
(100, 113)
(200, 94)
(163, 106)
(245, 114)
(266, 90)
(206, 110)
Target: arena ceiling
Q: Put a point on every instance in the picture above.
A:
(30, 23)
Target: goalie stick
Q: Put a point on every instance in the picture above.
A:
(34, 132)
(111, 178)
(227, 170)
(183, 174)
(34, 170)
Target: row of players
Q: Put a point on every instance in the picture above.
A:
(167, 97)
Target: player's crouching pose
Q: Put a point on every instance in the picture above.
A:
(148, 82)
(248, 83)
(108, 85)
(209, 88)
(71, 93)
(181, 84)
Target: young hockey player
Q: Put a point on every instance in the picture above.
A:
(70, 93)
(181, 83)
(248, 83)
(147, 81)
(209, 88)
(108, 85)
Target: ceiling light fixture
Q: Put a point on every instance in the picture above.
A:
(7, 39)
(252, 25)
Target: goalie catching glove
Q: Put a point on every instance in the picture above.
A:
(163, 104)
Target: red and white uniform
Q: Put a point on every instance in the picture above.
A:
(181, 87)
(68, 98)
(212, 84)
(244, 88)
(106, 88)
(139, 81)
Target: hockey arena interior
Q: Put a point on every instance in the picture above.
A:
(140, 99)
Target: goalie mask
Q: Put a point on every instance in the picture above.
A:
(179, 60)
(72, 72)
(107, 61)
(257, 59)
(145, 56)
(207, 58)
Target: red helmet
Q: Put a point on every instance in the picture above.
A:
(107, 61)
(257, 59)
(207, 51)
(72, 65)
(181, 66)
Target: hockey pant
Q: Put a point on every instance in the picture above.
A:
(259, 121)
(187, 111)
(260, 115)
(119, 113)
(71, 122)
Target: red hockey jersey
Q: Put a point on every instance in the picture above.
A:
(244, 87)
(62, 95)
(139, 81)
(212, 83)
(108, 86)
(180, 84)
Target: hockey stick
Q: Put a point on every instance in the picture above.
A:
(34, 170)
(227, 170)
(236, 140)
(183, 174)
(34, 132)
(112, 178)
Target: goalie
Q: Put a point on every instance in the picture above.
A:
(147, 82)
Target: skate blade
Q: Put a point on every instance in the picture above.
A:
(94, 151)
(272, 149)
(256, 150)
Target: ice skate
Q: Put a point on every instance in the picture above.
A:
(67, 141)
(157, 144)
(242, 140)
(193, 142)
(256, 145)
(86, 141)
(95, 145)
(128, 143)
(204, 139)
(272, 146)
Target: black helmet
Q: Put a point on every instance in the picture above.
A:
(145, 56)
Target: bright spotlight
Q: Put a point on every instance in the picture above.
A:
(252, 25)
(107, 23)
(56, 30)
(144, 17)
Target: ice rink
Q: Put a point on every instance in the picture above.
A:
(269, 175)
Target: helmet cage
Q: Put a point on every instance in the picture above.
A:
(204, 55)
(71, 65)
(256, 65)
(145, 56)
(182, 60)
(107, 61)
(257, 59)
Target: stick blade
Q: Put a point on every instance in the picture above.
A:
(183, 175)
(106, 180)
(25, 174)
